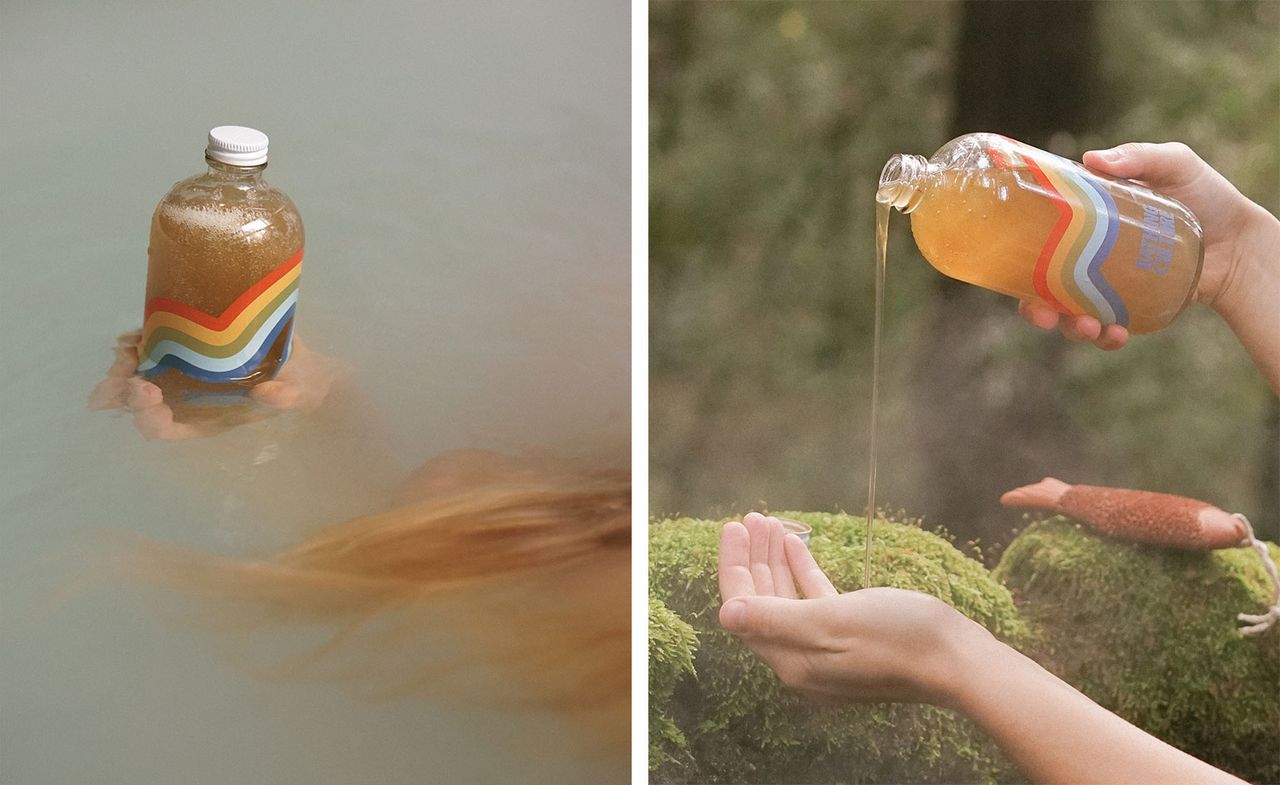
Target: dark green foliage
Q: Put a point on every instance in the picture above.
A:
(671, 646)
(740, 725)
(1150, 633)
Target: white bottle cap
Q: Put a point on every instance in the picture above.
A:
(237, 145)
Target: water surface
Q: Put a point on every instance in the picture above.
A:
(462, 170)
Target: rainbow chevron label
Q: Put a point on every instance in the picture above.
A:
(1068, 272)
(228, 347)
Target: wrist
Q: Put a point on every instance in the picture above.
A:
(1255, 262)
(962, 666)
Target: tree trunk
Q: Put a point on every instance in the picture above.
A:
(1026, 70)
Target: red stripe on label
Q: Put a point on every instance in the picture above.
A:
(219, 323)
(1041, 275)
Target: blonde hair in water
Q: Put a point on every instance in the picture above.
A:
(505, 583)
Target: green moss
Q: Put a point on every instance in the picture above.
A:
(1150, 633)
(738, 724)
(672, 643)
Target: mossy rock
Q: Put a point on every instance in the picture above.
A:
(735, 721)
(1151, 634)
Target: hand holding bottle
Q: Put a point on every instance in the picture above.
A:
(1240, 278)
(302, 384)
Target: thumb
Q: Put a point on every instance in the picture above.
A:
(766, 617)
(1168, 164)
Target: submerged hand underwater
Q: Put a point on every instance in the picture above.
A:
(301, 385)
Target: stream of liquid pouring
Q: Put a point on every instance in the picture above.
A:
(882, 241)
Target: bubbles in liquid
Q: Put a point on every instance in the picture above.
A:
(214, 219)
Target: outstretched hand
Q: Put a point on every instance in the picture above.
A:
(302, 384)
(1175, 170)
(895, 645)
(878, 644)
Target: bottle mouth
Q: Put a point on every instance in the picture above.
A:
(900, 182)
(892, 171)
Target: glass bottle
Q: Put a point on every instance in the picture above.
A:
(222, 276)
(1003, 215)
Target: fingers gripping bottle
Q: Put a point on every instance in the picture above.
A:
(222, 276)
(1006, 216)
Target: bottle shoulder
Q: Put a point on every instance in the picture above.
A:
(224, 207)
(967, 151)
(206, 189)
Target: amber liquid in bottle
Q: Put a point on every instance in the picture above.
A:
(1004, 216)
(996, 213)
(217, 239)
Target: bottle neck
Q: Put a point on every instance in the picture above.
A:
(246, 175)
(902, 182)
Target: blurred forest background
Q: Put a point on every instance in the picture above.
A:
(769, 124)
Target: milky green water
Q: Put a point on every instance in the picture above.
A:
(463, 171)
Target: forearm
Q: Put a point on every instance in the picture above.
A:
(1057, 735)
(1250, 303)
